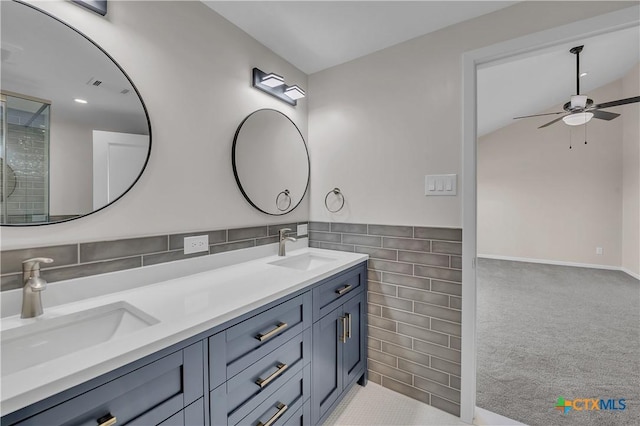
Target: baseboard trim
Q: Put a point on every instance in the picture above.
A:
(560, 263)
(628, 272)
(485, 417)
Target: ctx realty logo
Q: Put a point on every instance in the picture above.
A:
(590, 404)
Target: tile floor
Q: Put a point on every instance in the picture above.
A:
(375, 405)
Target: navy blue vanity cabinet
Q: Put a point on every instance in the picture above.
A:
(288, 362)
(339, 334)
(168, 391)
(254, 362)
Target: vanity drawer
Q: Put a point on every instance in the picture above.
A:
(255, 337)
(302, 417)
(331, 294)
(279, 407)
(244, 392)
(160, 389)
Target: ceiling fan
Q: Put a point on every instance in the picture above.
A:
(580, 109)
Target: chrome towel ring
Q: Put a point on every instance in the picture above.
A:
(286, 194)
(337, 193)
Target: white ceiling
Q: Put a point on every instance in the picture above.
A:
(315, 35)
(546, 79)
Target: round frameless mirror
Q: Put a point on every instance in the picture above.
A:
(270, 162)
(75, 132)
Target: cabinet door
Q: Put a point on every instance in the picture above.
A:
(145, 396)
(326, 363)
(354, 354)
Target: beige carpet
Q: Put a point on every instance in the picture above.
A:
(549, 331)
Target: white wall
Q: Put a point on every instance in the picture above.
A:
(538, 199)
(631, 176)
(193, 70)
(378, 124)
(70, 168)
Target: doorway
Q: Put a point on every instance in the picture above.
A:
(471, 61)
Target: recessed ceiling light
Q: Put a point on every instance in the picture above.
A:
(584, 74)
(80, 101)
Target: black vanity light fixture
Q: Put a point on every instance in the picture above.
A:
(274, 85)
(97, 6)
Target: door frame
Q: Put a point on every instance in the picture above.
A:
(532, 44)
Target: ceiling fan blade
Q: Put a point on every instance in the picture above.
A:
(604, 115)
(618, 102)
(551, 122)
(539, 115)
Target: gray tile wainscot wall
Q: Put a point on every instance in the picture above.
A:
(414, 303)
(92, 258)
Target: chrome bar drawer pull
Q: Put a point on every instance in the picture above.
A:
(281, 326)
(107, 420)
(349, 328)
(264, 382)
(344, 289)
(281, 409)
(343, 338)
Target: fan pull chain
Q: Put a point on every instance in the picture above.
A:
(585, 133)
(570, 137)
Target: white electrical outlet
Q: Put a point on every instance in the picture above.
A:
(599, 250)
(302, 230)
(196, 244)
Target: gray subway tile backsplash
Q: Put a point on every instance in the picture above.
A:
(349, 228)
(247, 233)
(220, 248)
(94, 268)
(378, 253)
(446, 234)
(92, 258)
(424, 258)
(414, 305)
(407, 281)
(383, 265)
(176, 241)
(169, 256)
(328, 237)
(407, 244)
(362, 240)
(446, 247)
(409, 391)
(320, 226)
(11, 260)
(438, 273)
(331, 246)
(103, 250)
(275, 229)
(391, 230)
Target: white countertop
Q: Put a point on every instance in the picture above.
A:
(184, 307)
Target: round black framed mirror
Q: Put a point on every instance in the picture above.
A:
(76, 132)
(271, 162)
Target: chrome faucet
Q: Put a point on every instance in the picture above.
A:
(33, 286)
(283, 240)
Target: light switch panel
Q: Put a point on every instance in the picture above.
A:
(441, 185)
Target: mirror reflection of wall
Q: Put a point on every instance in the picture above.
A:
(43, 58)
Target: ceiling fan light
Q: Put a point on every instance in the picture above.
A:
(578, 101)
(578, 118)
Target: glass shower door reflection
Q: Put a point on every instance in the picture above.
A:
(25, 160)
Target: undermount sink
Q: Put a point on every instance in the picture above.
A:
(303, 262)
(46, 339)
